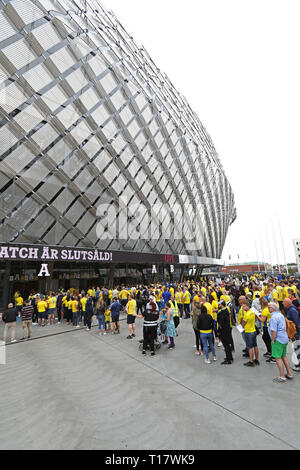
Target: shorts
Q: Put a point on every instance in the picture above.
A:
(124, 302)
(279, 350)
(114, 319)
(51, 311)
(42, 314)
(250, 339)
(130, 319)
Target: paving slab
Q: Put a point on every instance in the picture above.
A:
(79, 390)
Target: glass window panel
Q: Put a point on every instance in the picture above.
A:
(11, 198)
(54, 98)
(108, 82)
(97, 64)
(91, 147)
(110, 129)
(102, 160)
(83, 179)
(29, 118)
(111, 172)
(36, 173)
(50, 187)
(19, 53)
(19, 158)
(46, 35)
(11, 97)
(118, 99)
(38, 77)
(62, 59)
(63, 200)
(80, 132)
(77, 80)
(89, 98)
(55, 234)
(126, 114)
(27, 10)
(76, 211)
(68, 116)
(7, 139)
(6, 28)
(59, 152)
(119, 184)
(100, 115)
(45, 135)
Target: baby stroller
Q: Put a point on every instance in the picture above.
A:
(161, 329)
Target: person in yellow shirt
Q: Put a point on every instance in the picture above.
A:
(107, 320)
(82, 309)
(186, 303)
(75, 311)
(248, 323)
(123, 296)
(69, 311)
(265, 318)
(51, 301)
(19, 303)
(42, 310)
(131, 316)
(180, 302)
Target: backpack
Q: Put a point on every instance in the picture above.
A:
(290, 328)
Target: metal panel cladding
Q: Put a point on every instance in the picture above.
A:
(97, 148)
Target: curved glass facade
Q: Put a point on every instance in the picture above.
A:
(91, 132)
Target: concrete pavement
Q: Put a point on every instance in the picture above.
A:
(77, 390)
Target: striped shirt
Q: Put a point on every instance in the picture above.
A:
(27, 313)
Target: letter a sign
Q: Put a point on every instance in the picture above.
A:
(44, 270)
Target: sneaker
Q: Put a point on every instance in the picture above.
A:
(58, 322)
(280, 380)
(105, 333)
(226, 362)
(289, 377)
(249, 364)
(152, 354)
(271, 359)
(267, 354)
(197, 353)
(219, 344)
(144, 352)
(13, 340)
(256, 361)
(78, 326)
(171, 347)
(22, 339)
(215, 359)
(296, 369)
(129, 337)
(207, 361)
(133, 335)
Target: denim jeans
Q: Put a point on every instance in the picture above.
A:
(101, 321)
(207, 339)
(75, 318)
(187, 310)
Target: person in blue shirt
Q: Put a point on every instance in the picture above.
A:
(166, 295)
(293, 315)
(279, 342)
(115, 308)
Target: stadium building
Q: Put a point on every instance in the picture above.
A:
(106, 173)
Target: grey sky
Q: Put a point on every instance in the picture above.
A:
(237, 63)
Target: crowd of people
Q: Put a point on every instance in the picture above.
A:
(254, 305)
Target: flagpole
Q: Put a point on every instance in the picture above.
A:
(287, 269)
(268, 243)
(256, 252)
(262, 249)
(275, 246)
